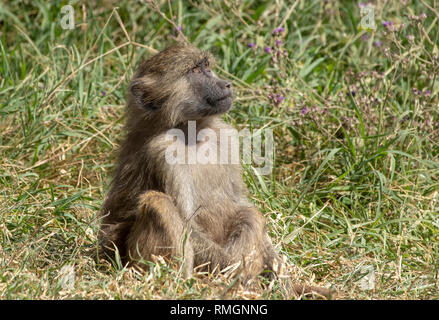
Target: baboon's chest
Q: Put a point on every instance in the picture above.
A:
(208, 186)
(205, 181)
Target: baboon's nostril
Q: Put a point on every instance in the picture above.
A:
(223, 84)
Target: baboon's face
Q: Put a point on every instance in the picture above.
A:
(211, 95)
(178, 84)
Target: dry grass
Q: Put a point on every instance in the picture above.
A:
(355, 183)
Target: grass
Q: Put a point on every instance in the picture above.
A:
(352, 201)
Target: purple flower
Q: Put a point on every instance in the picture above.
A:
(176, 32)
(304, 111)
(278, 42)
(377, 43)
(278, 30)
(251, 45)
(279, 98)
(387, 24)
(416, 91)
(104, 93)
(364, 37)
(267, 49)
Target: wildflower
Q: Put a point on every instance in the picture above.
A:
(278, 42)
(278, 30)
(377, 43)
(304, 111)
(176, 32)
(279, 98)
(251, 45)
(267, 49)
(364, 37)
(104, 93)
(387, 24)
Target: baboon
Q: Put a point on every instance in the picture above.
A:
(199, 212)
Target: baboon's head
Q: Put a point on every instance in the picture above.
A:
(179, 85)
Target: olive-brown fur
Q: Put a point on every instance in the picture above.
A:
(196, 211)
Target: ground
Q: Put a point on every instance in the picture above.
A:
(348, 89)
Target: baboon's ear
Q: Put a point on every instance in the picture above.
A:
(140, 90)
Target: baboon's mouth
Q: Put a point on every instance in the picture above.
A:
(224, 98)
(215, 102)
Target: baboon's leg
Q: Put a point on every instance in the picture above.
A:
(246, 241)
(159, 230)
(112, 236)
(249, 242)
(208, 251)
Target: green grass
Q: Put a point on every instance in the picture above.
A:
(356, 178)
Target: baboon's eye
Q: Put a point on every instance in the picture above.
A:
(197, 70)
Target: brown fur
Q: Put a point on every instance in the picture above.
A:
(197, 211)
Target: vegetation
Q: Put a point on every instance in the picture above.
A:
(352, 201)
